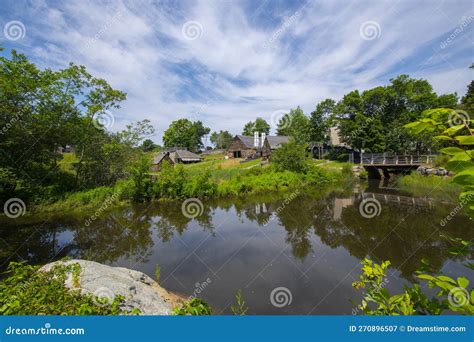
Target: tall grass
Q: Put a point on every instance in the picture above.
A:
(437, 187)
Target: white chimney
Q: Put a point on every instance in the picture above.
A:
(255, 139)
(263, 139)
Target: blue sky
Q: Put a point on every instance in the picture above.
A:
(227, 62)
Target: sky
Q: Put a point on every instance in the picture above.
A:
(227, 62)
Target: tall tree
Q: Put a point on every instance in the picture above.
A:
(185, 133)
(259, 125)
(221, 139)
(296, 125)
(320, 120)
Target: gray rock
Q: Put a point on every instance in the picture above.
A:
(138, 289)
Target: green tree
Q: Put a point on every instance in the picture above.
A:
(290, 156)
(259, 125)
(296, 125)
(221, 139)
(320, 120)
(148, 145)
(185, 133)
(41, 110)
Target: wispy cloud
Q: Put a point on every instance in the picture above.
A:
(249, 58)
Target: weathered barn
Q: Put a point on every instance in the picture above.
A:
(243, 146)
(159, 159)
(184, 157)
(271, 143)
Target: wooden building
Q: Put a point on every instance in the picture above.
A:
(271, 143)
(243, 146)
(184, 157)
(159, 159)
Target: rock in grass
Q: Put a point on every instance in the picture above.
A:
(138, 290)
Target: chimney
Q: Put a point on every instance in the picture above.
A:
(263, 139)
(255, 139)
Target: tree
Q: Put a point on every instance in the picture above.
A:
(42, 110)
(259, 125)
(320, 120)
(148, 145)
(290, 156)
(374, 120)
(221, 139)
(184, 133)
(295, 124)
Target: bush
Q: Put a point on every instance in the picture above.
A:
(290, 156)
(26, 291)
(193, 307)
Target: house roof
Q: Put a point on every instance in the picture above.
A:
(276, 140)
(187, 156)
(247, 140)
(159, 157)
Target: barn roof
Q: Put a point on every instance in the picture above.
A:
(276, 140)
(247, 140)
(187, 155)
(159, 157)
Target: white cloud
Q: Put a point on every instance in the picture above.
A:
(246, 64)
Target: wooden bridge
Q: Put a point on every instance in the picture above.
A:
(382, 164)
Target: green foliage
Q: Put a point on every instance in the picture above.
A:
(290, 156)
(148, 145)
(193, 307)
(453, 294)
(430, 186)
(239, 309)
(453, 128)
(320, 120)
(221, 139)
(373, 121)
(185, 133)
(259, 125)
(295, 124)
(26, 291)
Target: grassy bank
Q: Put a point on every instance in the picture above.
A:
(436, 187)
(197, 181)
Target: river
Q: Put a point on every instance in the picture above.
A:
(304, 246)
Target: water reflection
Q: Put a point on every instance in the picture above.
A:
(246, 242)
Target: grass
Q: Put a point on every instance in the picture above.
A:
(430, 186)
(67, 163)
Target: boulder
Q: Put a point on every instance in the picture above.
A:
(139, 290)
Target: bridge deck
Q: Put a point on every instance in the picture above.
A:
(383, 160)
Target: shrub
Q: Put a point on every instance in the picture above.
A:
(193, 307)
(26, 291)
(290, 156)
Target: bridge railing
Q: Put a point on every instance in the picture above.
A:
(383, 159)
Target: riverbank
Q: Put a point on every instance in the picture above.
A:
(436, 187)
(77, 287)
(181, 182)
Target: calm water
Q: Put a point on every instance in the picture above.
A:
(309, 244)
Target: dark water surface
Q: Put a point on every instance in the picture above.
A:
(310, 244)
